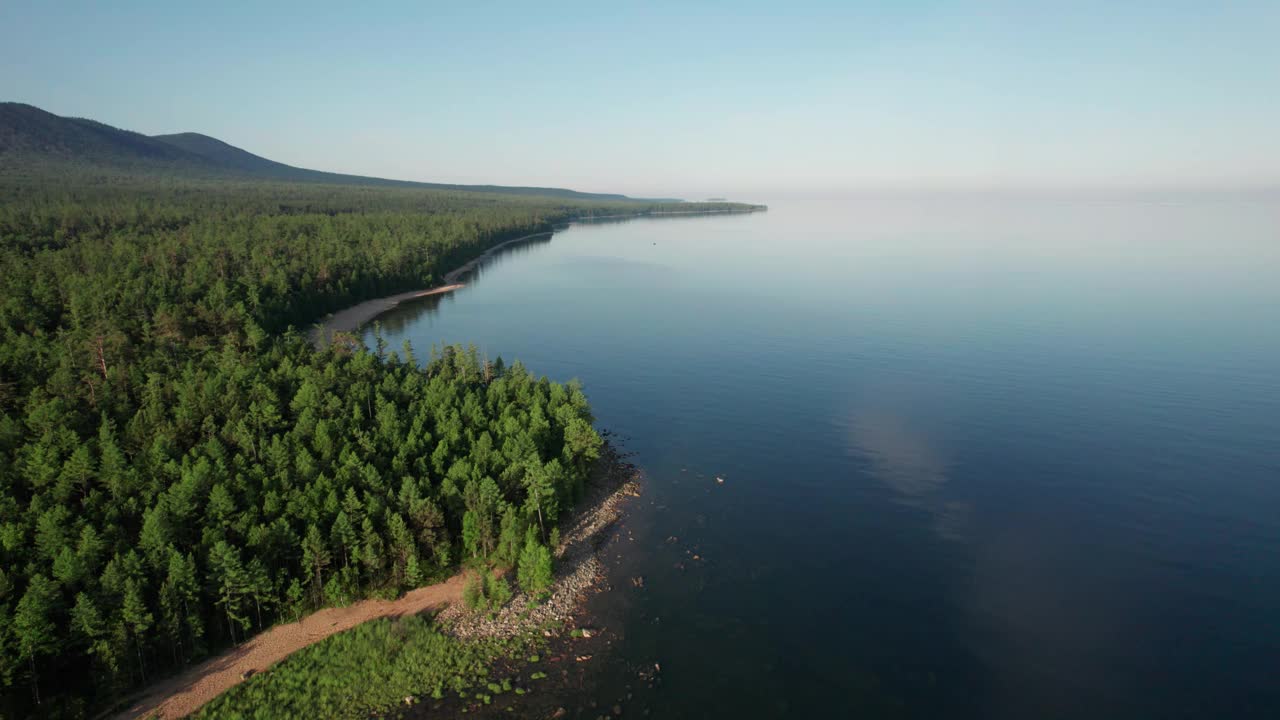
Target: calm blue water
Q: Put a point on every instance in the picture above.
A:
(998, 458)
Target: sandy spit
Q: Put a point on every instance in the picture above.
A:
(353, 318)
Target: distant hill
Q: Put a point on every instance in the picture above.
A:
(29, 133)
(223, 155)
(34, 143)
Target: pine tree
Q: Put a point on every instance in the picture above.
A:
(499, 591)
(156, 537)
(535, 571)
(371, 549)
(179, 604)
(294, 596)
(543, 570)
(540, 494)
(473, 592)
(78, 471)
(258, 587)
(228, 576)
(137, 618)
(87, 623)
(345, 535)
(315, 558)
(511, 537)
(403, 550)
(470, 534)
(33, 624)
(10, 656)
(67, 568)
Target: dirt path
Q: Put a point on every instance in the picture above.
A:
(184, 694)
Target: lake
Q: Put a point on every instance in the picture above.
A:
(983, 457)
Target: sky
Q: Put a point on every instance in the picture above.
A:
(683, 98)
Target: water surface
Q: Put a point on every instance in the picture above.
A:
(983, 457)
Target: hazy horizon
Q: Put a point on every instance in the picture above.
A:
(669, 100)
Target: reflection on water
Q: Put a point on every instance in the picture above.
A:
(984, 457)
(408, 313)
(905, 461)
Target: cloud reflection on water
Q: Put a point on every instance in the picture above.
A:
(905, 460)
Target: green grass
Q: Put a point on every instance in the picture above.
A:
(369, 669)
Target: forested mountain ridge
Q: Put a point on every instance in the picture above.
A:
(225, 155)
(179, 467)
(35, 143)
(27, 132)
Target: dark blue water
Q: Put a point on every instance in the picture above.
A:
(998, 458)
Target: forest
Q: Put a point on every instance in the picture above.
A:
(180, 468)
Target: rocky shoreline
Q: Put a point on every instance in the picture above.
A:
(578, 566)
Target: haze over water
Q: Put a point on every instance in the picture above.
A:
(983, 457)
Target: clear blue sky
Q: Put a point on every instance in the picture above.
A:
(683, 98)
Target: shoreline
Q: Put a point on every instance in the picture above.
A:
(578, 566)
(570, 644)
(351, 319)
(578, 569)
(589, 218)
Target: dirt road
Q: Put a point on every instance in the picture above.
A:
(184, 694)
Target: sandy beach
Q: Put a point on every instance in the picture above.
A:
(353, 318)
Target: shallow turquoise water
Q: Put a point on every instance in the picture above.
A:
(984, 457)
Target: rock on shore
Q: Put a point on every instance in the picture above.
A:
(577, 566)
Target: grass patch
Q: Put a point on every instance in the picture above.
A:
(369, 669)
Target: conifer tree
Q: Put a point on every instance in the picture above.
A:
(33, 625)
(535, 571)
(174, 460)
(228, 576)
(137, 619)
(315, 558)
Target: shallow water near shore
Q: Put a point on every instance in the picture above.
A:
(981, 457)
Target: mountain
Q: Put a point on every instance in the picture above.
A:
(227, 156)
(28, 132)
(36, 143)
